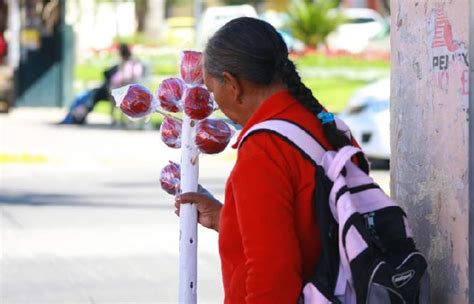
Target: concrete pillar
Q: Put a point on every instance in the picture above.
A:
(430, 135)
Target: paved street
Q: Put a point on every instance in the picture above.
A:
(83, 219)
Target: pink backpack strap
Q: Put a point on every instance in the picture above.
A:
(293, 133)
(340, 160)
(341, 125)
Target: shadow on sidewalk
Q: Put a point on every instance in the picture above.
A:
(67, 200)
(103, 126)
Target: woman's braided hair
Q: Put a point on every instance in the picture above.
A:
(252, 49)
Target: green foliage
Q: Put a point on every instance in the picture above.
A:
(322, 61)
(238, 2)
(86, 72)
(333, 93)
(312, 21)
(137, 38)
(166, 67)
(167, 64)
(169, 3)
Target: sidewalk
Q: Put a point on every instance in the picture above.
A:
(84, 220)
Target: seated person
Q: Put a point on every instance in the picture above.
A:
(128, 71)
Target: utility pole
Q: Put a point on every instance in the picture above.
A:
(471, 154)
(432, 150)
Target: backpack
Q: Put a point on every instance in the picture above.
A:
(368, 253)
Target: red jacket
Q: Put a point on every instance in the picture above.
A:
(268, 236)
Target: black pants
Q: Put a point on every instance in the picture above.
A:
(101, 93)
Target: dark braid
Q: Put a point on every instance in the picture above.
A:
(252, 49)
(303, 94)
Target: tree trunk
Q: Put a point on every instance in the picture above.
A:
(141, 8)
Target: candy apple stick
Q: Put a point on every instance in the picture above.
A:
(191, 73)
(188, 216)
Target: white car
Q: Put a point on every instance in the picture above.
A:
(215, 17)
(361, 25)
(368, 116)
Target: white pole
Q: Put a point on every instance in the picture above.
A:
(188, 216)
(14, 29)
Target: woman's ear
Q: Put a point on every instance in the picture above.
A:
(234, 86)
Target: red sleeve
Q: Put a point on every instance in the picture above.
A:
(264, 201)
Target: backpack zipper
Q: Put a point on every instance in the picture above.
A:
(370, 220)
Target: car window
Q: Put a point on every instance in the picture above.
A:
(360, 20)
(378, 106)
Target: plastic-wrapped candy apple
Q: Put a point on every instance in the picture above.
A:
(171, 132)
(135, 100)
(169, 93)
(191, 68)
(212, 136)
(198, 103)
(170, 178)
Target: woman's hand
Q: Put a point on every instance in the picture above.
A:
(209, 209)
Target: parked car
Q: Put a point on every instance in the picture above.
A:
(368, 116)
(360, 26)
(215, 17)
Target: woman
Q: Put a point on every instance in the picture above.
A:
(268, 235)
(128, 71)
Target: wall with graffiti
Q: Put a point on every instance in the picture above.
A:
(448, 53)
(429, 133)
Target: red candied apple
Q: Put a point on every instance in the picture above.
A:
(191, 68)
(137, 101)
(212, 136)
(171, 132)
(169, 94)
(170, 178)
(198, 103)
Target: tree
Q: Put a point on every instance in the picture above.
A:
(312, 21)
(141, 9)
